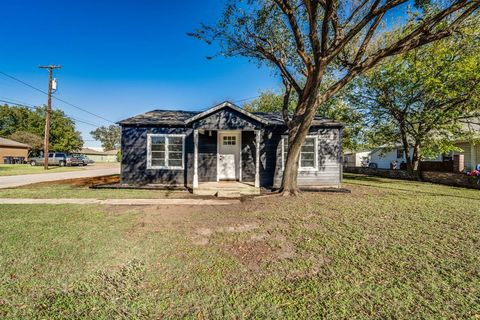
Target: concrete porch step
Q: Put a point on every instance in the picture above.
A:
(226, 189)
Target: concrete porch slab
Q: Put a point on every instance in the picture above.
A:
(226, 189)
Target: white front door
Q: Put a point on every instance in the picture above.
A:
(228, 155)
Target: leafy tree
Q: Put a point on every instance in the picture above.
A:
(422, 98)
(34, 141)
(336, 109)
(108, 136)
(352, 119)
(268, 101)
(318, 47)
(63, 136)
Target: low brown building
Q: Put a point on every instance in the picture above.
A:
(10, 148)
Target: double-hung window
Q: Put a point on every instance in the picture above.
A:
(308, 153)
(165, 151)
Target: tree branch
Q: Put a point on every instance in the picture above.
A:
(368, 37)
(329, 8)
(287, 9)
(286, 102)
(312, 11)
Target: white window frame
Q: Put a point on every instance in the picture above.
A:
(166, 166)
(300, 168)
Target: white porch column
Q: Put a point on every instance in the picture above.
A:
(473, 157)
(195, 159)
(257, 158)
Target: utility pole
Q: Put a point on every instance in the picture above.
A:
(48, 114)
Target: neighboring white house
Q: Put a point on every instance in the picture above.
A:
(356, 159)
(471, 153)
(384, 156)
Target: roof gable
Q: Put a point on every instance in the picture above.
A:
(224, 105)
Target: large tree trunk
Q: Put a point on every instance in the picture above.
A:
(406, 149)
(417, 170)
(298, 130)
(290, 172)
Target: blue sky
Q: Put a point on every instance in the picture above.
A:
(120, 58)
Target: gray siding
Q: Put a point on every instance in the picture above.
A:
(134, 157)
(329, 161)
(207, 156)
(248, 154)
(270, 165)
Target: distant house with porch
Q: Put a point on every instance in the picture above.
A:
(224, 143)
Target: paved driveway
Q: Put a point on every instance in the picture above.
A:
(90, 171)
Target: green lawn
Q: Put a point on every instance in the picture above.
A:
(17, 169)
(389, 250)
(49, 190)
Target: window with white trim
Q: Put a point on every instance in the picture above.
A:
(165, 151)
(308, 153)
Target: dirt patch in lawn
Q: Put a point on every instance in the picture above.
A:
(80, 182)
(196, 220)
(235, 230)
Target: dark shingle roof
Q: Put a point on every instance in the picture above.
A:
(179, 117)
(276, 118)
(169, 117)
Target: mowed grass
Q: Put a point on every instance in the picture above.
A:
(52, 190)
(18, 169)
(389, 250)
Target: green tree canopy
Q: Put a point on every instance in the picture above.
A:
(34, 141)
(423, 98)
(63, 135)
(108, 136)
(268, 101)
(336, 109)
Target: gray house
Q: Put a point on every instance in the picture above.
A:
(204, 150)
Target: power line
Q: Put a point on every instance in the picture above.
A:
(59, 99)
(246, 99)
(34, 107)
(93, 114)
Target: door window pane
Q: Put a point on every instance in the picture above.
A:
(229, 140)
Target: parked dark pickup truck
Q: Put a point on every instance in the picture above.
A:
(83, 159)
(56, 159)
